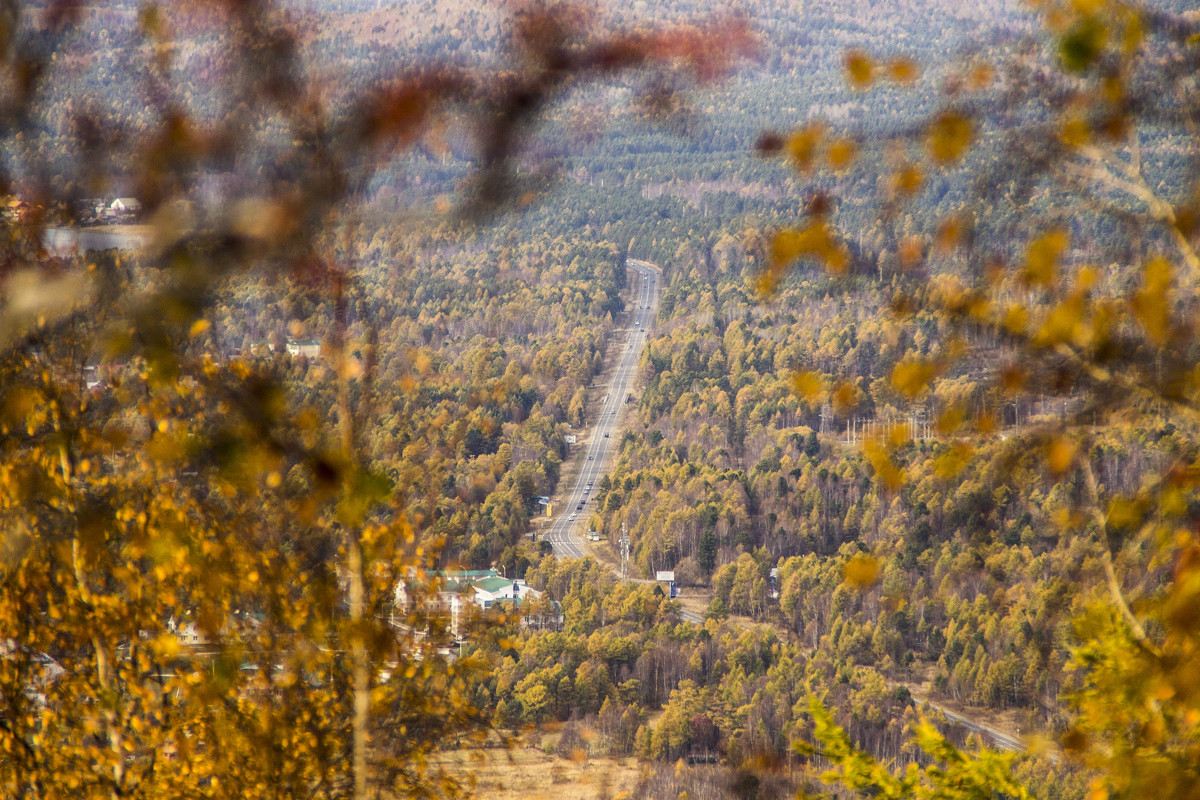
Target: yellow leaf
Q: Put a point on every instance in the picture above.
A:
(981, 76)
(912, 378)
(1151, 305)
(1060, 325)
(1015, 319)
(950, 463)
(1086, 278)
(199, 327)
(950, 419)
(845, 398)
(1041, 261)
(802, 147)
(949, 136)
(813, 241)
(861, 571)
(886, 470)
(859, 69)
(842, 153)
(949, 234)
(907, 180)
(808, 384)
(1134, 33)
(911, 251)
(1097, 790)
(1075, 132)
(902, 70)
(1060, 455)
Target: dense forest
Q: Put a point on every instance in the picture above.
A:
(915, 421)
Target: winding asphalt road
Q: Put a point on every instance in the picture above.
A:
(575, 510)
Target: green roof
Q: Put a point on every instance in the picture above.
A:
(493, 584)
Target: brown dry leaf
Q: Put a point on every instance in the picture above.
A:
(1013, 378)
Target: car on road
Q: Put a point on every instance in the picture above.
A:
(571, 518)
(579, 508)
(606, 436)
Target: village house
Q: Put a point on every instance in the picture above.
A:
(463, 592)
(309, 348)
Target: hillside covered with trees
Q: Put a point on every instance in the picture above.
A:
(917, 417)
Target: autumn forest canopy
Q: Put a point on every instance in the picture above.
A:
(310, 313)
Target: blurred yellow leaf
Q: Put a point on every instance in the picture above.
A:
(859, 69)
(949, 136)
(981, 76)
(802, 147)
(1041, 260)
(902, 70)
(845, 398)
(953, 461)
(949, 234)
(1062, 324)
(861, 571)
(813, 240)
(912, 378)
(911, 251)
(890, 475)
(1151, 304)
(1134, 32)
(808, 384)
(907, 180)
(1015, 319)
(842, 153)
(1075, 132)
(1060, 455)
(951, 419)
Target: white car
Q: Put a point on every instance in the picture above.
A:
(571, 518)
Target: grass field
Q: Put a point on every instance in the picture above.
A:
(526, 773)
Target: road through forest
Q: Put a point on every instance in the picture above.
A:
(575, 498)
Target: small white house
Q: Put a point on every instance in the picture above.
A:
(126, 205)
(490, 590)
(309, 348)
